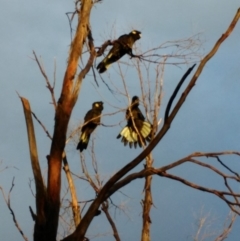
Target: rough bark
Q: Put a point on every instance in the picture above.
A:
(39, 217)
(75, 206)
(147, 203)
(63, 112)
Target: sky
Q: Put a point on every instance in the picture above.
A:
(207, 122)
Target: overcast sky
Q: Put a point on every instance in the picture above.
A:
(208, 121)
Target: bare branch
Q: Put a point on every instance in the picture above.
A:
(82, 228)
(203, 63)
(85, 171)
(220, 194)
(163, 173)
(229, 169)
(8, 202)
(86, 69)
(75, 206)
(181, 52)
(110, 220)
(6, 167)
(51, 89)
(74, 203)
(41, 124)
(175, 92)
(39, 184)
(227, 230)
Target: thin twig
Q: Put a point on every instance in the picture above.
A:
(41, 124)
(229, 169)
(51, 89)
(110, 220)
(8, 202)
(227, 230)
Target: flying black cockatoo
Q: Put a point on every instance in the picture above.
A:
(91, 121)
(137, 129)
(123, 45)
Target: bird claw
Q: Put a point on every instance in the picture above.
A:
(135, 56)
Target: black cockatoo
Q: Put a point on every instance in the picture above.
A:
(91, 121)
(137, 129)
(121, 46)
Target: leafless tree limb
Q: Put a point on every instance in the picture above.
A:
(8, 202)
(39, 183)
(173, 96)
(41, 124)
(220, 194)
(49, 86)
(227, 230)
(86, 69)
(96, 185)
(6, 167)
(110, 220)
(229, 169)
(75, 206)
(162, 172)
(74, 203)
(81, 229)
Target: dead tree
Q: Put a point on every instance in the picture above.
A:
(46, 217)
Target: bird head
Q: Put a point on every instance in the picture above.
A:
(135, 100)
(135, 34)
(98, 105)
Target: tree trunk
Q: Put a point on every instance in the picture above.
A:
(64, 109)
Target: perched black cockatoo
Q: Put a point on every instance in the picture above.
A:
(91, 121)
(121, 46)
(137, 129)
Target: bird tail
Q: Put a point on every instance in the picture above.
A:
(129, 135)
(103, 66)
(83, 142)
(146, 129)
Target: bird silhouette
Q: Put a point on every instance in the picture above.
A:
(123, 45)
(137, 130)
(91, 121)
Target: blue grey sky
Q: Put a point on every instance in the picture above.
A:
(208, 121)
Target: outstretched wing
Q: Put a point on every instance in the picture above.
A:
(132, 136)
(121, 46)
(137, 130)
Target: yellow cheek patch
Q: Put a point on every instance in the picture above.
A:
(97, 105)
